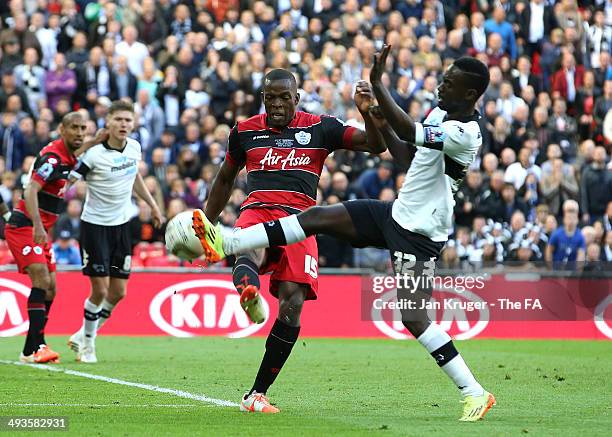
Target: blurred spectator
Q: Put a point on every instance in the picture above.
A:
(70, 221)
(141, 226)
(558, 186)
(124, 81)
(60, 82)
(11, 52)
(66, 251)
(30, 77)
(467, 199)
(498, 25)
(134, 51)
(568, 78)
(171, 94)
(518, 171)
(374, 180)
(595, 187)
(566, 244)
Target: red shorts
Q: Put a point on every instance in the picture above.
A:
(297, 262)
(21, 243)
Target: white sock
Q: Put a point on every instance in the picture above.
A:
(438, 343)
(105, 312)
(90, 320)
(264, 235)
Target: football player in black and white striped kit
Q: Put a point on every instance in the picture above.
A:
(111, 172)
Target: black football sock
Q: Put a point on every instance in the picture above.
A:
(245, 273)
(280, 341)
(48, 304)
(36, 314)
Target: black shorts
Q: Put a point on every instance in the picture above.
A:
(410, 252)
(106, 250)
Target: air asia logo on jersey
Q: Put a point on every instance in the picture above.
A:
(454, 318)
(303, 137)
(13, 303)
(275, 159)
(602, 315)
(202, 307)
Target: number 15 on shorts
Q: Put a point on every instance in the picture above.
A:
(310, 266)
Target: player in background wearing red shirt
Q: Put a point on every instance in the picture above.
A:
(37, 212)
(284, 151)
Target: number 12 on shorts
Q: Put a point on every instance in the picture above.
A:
(310, 266)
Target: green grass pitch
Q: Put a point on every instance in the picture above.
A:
(328, 387)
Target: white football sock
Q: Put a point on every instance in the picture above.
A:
(435, 338)
(90, 320)
(105, 312)
(258, 236)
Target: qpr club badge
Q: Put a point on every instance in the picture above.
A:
(302, 137)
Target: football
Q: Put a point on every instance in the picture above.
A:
(181, 239)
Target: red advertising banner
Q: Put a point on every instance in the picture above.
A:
(192, 304)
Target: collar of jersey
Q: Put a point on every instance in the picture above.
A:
(292, 123)
(474, 117)
(108, 147)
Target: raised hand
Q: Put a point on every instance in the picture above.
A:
(380, 63)
(377, 117)
(364, 98)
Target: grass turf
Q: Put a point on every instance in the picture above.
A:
(341, 387)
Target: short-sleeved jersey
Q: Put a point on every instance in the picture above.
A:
(51, 170)
(283, 166)
(445, 150)
(110, 175)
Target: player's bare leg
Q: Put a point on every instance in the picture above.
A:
(35, 350)
(282, 337)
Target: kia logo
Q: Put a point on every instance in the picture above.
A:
(600, 319)
(12, 321)
(455, 321)
(202, 306)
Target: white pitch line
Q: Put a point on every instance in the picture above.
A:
(171, 391)
(104, 405)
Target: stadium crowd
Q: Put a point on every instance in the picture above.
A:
(194, 68)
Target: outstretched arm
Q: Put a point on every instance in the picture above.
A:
(221, 189)
(399, 120)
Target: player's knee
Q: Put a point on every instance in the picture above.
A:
(415, 322)
(290, 307)
(256, 256)
(99, 290)
(115, 294)
(39, 275)
(313, 215)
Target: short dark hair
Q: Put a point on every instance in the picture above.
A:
(281, 74)
(70, 117)
(120, 105)
(477, 73)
